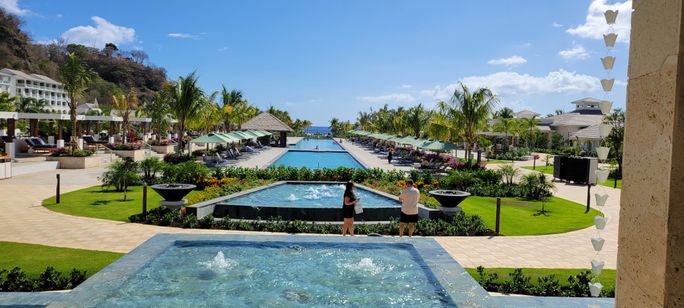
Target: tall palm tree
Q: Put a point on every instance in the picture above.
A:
(466, 114)
(30, 105)
(125, 104)
(158, 110)
(417, 119)
(187, 99)
(530, 125)
(506, 126)
(616, 138)
(233, 105)
(504, 113)
(334, 125)
(75, 79)
(559, 111)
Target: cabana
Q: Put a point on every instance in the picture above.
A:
(268, 122)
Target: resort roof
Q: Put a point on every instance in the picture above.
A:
(266, 121)
(576, 119)
(587, 133)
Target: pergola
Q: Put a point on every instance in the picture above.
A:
(268, 122)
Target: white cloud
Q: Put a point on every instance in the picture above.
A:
(513, 84)
(60, 15)
(182, 35)
(104, 32)
(406, 86)
(389, 98)
(510, 61)
(595, 25)
(222, 49)
(576, 52)
(556, 25)
(12, 7)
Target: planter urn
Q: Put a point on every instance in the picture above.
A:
(173, 194)
(449, 200)
(601, 199)
(597, 266)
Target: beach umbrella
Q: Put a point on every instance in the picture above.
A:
(211, 138)
(438, 146)
(229, 137)
(251, 133)
(239, 135)
(409, 140)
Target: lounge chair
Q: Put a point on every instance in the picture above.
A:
(36, 144)
(90, 141)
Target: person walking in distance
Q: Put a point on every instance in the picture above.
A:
(390, 153)
(409, 197)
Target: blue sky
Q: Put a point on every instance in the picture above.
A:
(324, 59)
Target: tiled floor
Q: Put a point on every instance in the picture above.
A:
(23, 219)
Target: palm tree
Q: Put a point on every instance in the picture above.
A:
(75, 79)
(158, 110)
(125, 104)
(363, 120)
(186, 101)
(233, 105)
(616, 138)
(530, 125)
(505, 125)
(334, 125)
(504, 113)
(30, 105)
(466, 114)
(559, 111)
(417, 119)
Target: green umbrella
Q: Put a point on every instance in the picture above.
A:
(251, 133)
(409, 140)
(266, 133)
(211, 138)
(239, 135)
(438, 146)
(229, 137)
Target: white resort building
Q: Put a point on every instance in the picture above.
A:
(18, 83)
(580, 125)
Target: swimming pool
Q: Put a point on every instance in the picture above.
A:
(302, 271)
(317, 144)
(311, 201)
(307, 195)
(317, 160)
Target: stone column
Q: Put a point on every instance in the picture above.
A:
(651, 234)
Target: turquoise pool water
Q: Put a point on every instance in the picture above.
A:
(315, 160)
(282, 274)
(311, 196)
(322, 144)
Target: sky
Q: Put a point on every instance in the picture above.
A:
(325, 59)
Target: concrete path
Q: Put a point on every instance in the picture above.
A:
(23, 219)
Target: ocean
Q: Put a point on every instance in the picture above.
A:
(317, 130)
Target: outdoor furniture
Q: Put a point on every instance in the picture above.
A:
(90, 141)
(37, 144)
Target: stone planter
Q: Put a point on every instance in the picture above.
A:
(136, 155)
(69, 162)
(163, 149)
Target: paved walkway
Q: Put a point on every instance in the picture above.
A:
(23, 219)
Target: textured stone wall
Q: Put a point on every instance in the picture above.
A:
(651, 235)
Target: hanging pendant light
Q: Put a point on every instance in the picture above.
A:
(600, 222)
(602, 152)
(604, 130)
(607, 84)
(597, 242)
(597, 266)
(601, 176)
(601, 199)
(605, 105)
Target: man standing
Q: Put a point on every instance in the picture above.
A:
(409, 208)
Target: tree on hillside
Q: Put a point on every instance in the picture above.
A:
(14, 43)
(75, 79)
(139, 56)
(616, 138)
(186, 101)
(559, 111)
(125, 104)
(110, 49)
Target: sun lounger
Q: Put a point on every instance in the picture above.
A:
(36, 144)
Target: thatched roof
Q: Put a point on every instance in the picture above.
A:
(266, 121)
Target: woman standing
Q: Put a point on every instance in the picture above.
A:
(390, 153)
(350, 201)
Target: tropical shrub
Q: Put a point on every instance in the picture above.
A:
(121, 174)
(177, 158)
(282, 173)
(507, 173)
(16, 280)
(518, 283)
(124, 147)
(150, 167)
(186, 173)
(536, 186)
(63, 152)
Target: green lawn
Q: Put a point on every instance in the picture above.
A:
(607, 276)
(520, 217)
(497, 161)
(549, 170)
(96, 203)
(33, 259)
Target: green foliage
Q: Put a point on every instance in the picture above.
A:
(508, 173)
(536, 186)
(150, 167)
(63, 152)
(460, 225)
(186, 173)
(121, 174)
(518, 282)
(282, 173)
(16, 280)
(177, 158)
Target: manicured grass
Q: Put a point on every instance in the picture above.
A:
(497, 161)
(549, 170)
(33, 259)
(97, 203)
(607, 277)
(521, 217)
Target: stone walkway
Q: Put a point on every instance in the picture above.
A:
(23, 219)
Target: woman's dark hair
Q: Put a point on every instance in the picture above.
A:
(348, 189)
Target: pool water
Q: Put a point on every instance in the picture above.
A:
(311, 196)
(317, 160)
(322, 144)
(282, 274)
